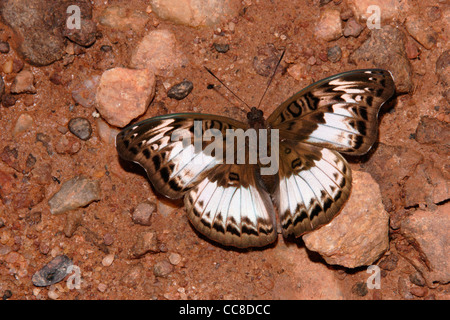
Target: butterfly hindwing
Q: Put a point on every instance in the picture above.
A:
(232, 207)
(339, 112)
(157, 144)
(313, 184)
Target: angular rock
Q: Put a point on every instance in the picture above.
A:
(180, 90)
(421, 31)
(329, 26)
(73, 221)
(106, 133)
(358, 236)
(434, 185)
(53, 272)
(23, 83)
(158, 51)
(431, 130)
(143, 212)
(443, 67)
(385, 49)
(39, 25)
(162, 268)
(429, 230)
(23, 123)
(390, 165)
(352, 28)
(196, 13)
(74, 193)
(85, 36)
(146, 242)
(390, 10)
(124, 94)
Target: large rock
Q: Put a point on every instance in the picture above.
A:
(358, 236)
(386, 49)
(196, 13)
(429, 231)
(122, 18)
(124, 94)
(39, 26)
(158, 51)
(419, 29)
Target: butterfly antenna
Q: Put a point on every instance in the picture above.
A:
(221, 82)
(271, 78)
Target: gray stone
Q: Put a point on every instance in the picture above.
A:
(74, 193)
(53, 272)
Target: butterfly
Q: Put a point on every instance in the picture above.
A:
(233, 204)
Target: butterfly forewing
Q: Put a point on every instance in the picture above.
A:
(339, 112)
(157, 144)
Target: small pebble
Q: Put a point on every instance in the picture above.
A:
(334, 54)
(143, 212)
(33, 218)
(108, 239)
(8, 66)
(221, 48)
(352, 28)
(53, 272)
(8, 100)
(180, 90)
(73, 221)
(108, 260)
(24, 123)
(102, 287)
(419, 291)
(4, 47)
(53, 295)
(23, 83)
(174, 258)
(80, 127)
(162, 269)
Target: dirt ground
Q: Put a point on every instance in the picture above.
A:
(187, 265)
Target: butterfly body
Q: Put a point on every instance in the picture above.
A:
(232, 200)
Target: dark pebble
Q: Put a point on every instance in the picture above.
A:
(360, 289)
(8, 100)
(180, 90)
(81, 128)
(334, 54)
(389, 263)
(106, 48)
(162, 269)
(7, 294)
(4, 47)
(417, 279)
(31, 161)
(222, 48)
(53, 272)
(33, 218)
(2, 223)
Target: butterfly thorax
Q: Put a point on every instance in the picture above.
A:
(255, 119)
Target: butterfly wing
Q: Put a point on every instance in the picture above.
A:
(157, 144)
(339, 112)
(233, 208)
(227, 203)
(313, 184)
